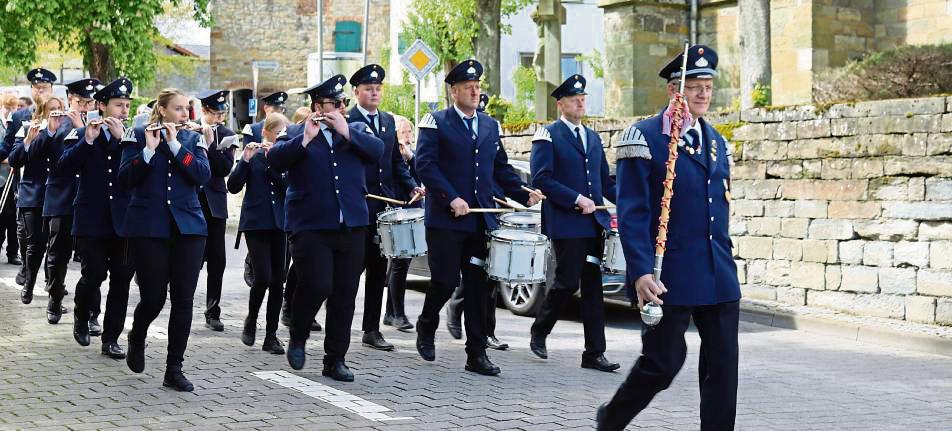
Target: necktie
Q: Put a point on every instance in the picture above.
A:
(578, 137)
(469, 126)
(694, 140)
(373, 123)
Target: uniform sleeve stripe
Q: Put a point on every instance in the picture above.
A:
(247, 130)
(542, 134)
(427, 122)
(633, 151)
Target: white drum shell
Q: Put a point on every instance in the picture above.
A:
(402, 233)
(614, 257)
(517, 260)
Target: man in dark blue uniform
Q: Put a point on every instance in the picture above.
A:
(326, 218)
(460, 159)
(568, 164)
(273, 102)
(382, 179)
(61, 191)
(41, 88)
(32, 187)
(699, 277)
(98, 217)
(214, 197)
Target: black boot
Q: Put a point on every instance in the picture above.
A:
(296, 354)
(26, 295)
(248, 333)
(537, 345)
(272, 344)
(176, 380)
(54, 311)
(135, 358)
(482, 365)
(81, 332)
(337, 370)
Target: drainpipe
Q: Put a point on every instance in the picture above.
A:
(693, 17)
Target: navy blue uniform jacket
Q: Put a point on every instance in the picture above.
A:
(99, 209)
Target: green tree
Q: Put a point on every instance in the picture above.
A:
(450, 27)
(114, 36)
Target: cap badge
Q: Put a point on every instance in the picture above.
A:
(701, 62)
(578, 84)
(471, 71)
(374, 74)
(122, 88)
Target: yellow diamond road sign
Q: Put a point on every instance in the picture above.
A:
(419, 59)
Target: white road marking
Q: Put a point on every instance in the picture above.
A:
(327, 394)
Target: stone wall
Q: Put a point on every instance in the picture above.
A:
(848, 209)
(284, 31)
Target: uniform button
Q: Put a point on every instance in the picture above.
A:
(476, 192)
(477, 151)
(708, 182)
(272, 191)
(586, 160)
(110, 171)
(170, 174)
(47, 169)
(477, 178)
(710, 237)
(477, 164)
(110, 197)
(381, 170)
(108, 157)
(168, 202)
(589, 183)
(587, 171)
(170, 188)
(272, 202)
(712, 219)
(335, 177)
(110, 184)
(77, 175)
(332, 151)
(337, 191)
(709, 200)
(335, 163)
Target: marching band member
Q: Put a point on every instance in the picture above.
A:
(568, 164)
(214, 197)
(459, 159)
(61, 191)
(32, 188)
(707, 293)
(271, 103)
(164, 165)
(262, 223)
(395, 314)
(94, 152)
(327, 217)
(383, 176)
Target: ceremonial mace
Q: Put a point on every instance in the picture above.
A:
(651, 313)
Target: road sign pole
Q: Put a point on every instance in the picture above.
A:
(416, 104)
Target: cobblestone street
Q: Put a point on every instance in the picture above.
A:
(788, 379)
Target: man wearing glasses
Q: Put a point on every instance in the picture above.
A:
(214, 197)
(326, 219)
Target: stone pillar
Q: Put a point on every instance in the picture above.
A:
(549, 17)
(487, 41)
(640, 38)
(754, 25)
(793, 56)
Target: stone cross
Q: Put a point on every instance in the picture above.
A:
(549, 18)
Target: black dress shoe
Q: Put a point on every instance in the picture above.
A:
(388, 320)
(537, 345)
(81, 333)
(14, 260)
(135, 359)
(425, 345)
(95, 329)
(493, 343)
(337, 370)
(481, 365)
(113, 350)
(374, 340)
(214, 324)
(453, 324)
(316, 326)
(54, 312)
(248, 333)
(272, 344)
(176, 380)
(402, 324)
(296, 354)
(26, 295)
(599, 363)
(21, 278)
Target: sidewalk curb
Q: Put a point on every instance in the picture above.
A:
(872, 334)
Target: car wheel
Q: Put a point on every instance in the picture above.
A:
(522, 299)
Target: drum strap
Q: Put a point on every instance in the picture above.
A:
(477, 261)
(593, 260)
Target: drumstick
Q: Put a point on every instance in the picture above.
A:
(502, 202)
(385, 199)
(414, 198)
(492, 210)
(531, 190)
(600, 207)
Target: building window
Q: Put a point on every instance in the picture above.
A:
(403, 42)
(570, 66)
(347, 36)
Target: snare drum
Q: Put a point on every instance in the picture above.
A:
(527, 221)
(402, 234)
(613, 259)
(517, 256)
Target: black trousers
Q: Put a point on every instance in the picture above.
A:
(167, 266)
(397, 286)
(8, 229)
(32, 242)
(215, 257)
(375, 266)
(456, 304)
(99, 257)
(451, 253)
(572, 270)
(266, 249)
(59, 250)
(662, 355)
(328, 265)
